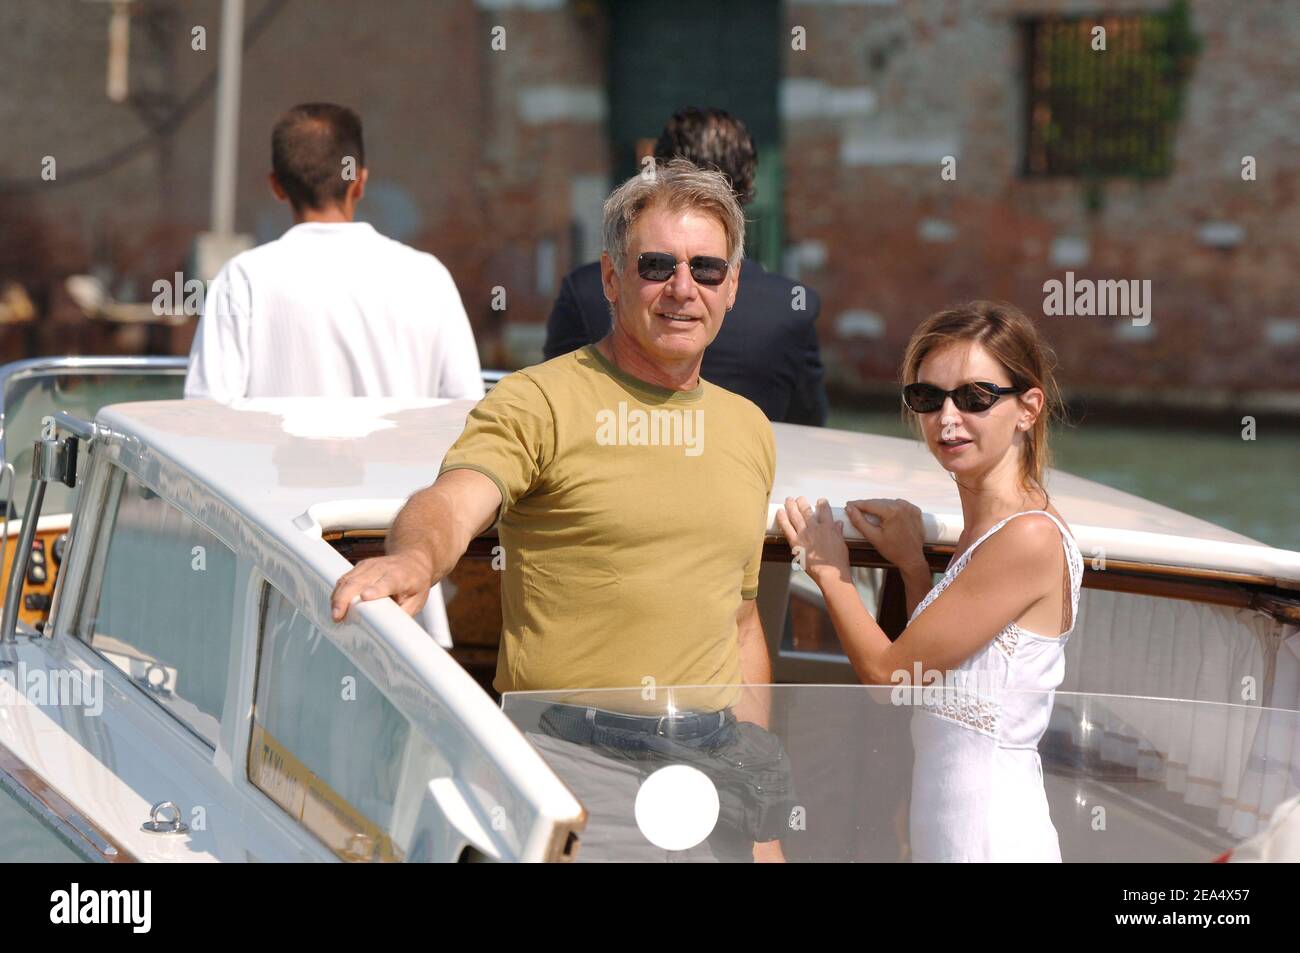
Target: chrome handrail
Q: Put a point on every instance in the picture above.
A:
(107, 364)
(115, 364)
(7, 468)
(52, 459)
(85, 429)
(18, 569)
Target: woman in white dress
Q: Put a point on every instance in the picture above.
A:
(990, 634)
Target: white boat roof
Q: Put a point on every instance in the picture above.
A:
(350, 463)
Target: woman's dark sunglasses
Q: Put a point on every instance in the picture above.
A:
(969, 398)
(659, 266)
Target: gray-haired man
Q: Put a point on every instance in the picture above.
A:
(630, 497)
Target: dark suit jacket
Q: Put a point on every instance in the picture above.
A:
(766, 351)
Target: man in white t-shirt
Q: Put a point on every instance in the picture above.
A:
(332, 308)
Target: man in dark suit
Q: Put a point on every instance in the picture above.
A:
(767, 349)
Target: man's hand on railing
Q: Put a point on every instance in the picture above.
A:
(407, 577)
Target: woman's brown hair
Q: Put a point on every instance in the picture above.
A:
(1013, 340)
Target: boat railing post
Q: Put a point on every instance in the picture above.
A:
(18, 569)
(52, 459)
(7, 469)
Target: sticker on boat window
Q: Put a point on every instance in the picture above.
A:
(311, 802)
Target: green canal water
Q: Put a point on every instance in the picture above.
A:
(1250, 486)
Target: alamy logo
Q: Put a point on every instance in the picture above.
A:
(934, 689)
(62, 688)
(102, 906)
(651, 428)
(1110, 297)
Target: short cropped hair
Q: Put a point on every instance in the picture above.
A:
(712, 139)
(309, 148)
(677, 185)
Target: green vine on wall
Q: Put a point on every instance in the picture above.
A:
(1101, 114)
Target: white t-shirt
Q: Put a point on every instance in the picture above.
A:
(333, 309)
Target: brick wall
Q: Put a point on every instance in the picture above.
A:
(496, 161)
(475, 154)
(885, 90)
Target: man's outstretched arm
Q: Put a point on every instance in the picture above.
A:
(429, 536)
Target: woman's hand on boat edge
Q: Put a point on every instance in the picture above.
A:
(893, 528)
(816, 539)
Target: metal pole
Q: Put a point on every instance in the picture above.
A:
(119, 52)
(18, 568)
(225, 144)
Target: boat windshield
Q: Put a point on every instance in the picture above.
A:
(941, 772)
(30, 395)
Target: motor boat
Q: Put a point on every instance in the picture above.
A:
(176, 689)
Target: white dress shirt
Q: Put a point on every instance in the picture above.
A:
(334, 309)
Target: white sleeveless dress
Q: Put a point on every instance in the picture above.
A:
(977, 782)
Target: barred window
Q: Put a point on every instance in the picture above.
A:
(1106, 113)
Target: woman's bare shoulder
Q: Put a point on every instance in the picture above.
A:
(1069, 529)
(1029, 540)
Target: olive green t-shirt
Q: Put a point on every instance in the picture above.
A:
(632, 522)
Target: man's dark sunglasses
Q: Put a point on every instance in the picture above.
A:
(969, 398)
(659, 266)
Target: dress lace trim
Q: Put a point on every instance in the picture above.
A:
(967, 708)
(1008, 639)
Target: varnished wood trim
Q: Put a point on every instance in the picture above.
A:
(1184, 572)
(35, 617)
(481, 547)
(1238, 590)
(1214, 592)
(72, 825)
(565, 840)
(366, 544)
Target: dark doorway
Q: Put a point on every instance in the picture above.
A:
(727, 54)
